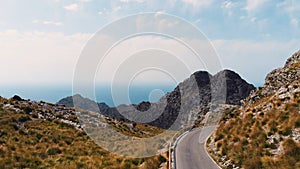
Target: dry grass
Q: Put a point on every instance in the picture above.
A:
(244, 139)
(29, 143)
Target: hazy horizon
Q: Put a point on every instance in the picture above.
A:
(55, 93)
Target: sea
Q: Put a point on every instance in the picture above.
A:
(132, 95)
(104, 93)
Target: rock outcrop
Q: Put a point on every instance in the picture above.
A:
(191, 99)
(264, 131)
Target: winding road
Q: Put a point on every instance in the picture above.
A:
(190, 152)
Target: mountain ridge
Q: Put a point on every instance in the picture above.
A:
(191, 94)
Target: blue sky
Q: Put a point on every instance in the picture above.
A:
(252, 19)
(42, 39)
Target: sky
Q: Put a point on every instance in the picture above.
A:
(41, 40)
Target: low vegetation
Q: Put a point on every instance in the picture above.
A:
(30, 142)
(264, 132)
(247, 140)
(260, 139)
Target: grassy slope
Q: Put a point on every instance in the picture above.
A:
(244, 134)
(244, 139)
(29, 143)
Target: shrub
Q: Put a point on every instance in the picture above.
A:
(219, 144)
(253, 163)
(287, 132)
(27, 110)
(53, 151)
(292, 149)
(161, 159)
(297, 124)
(23, 119)
(219, 137)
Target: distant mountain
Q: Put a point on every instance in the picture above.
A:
(264, 132)
(88, 104)
(190, 99)
(81, 102)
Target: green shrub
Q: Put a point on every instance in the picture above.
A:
(297, 124)
(23, 119)
(162, 159)
(53, 151)
(287, 132)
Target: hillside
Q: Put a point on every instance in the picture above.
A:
(264, 132)
(190, 100)
(44, 135)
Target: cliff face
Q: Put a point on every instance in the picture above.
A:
(264, 132)
(188, 101)
(236, 87)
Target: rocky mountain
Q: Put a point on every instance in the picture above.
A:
(88, 104)
(264, 132)
(190, 100)
(81, 102)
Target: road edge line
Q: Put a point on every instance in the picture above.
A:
(207, 151)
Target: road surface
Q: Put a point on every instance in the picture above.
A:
(190, 150)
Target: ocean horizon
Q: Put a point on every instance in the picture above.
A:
(134, 95)
(53, 94)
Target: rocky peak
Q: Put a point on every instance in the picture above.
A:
(293, 59)
(236, 87)
(81, 102)
(143, 106)
(17, 98)
(278, 78)
(202, 78)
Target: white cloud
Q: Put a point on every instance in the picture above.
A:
(85, 0)
(198, 21)
(35, 21)
(227, 6)
(52, 23)
(253, 19)
(127, 1)
(137, 53)
(253, 59)
(2, 24)
(198, 3)
(39, 57)
(103, 11)
(253, 5)
(116, 9)
(294, 22)
(292, 9)
(72, 7)
(290, 6)
(159, 13)
(47, 22)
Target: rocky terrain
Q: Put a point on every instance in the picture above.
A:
(37, 134)
(187, 103)
(264, 132)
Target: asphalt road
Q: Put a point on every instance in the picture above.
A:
(190, 150)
